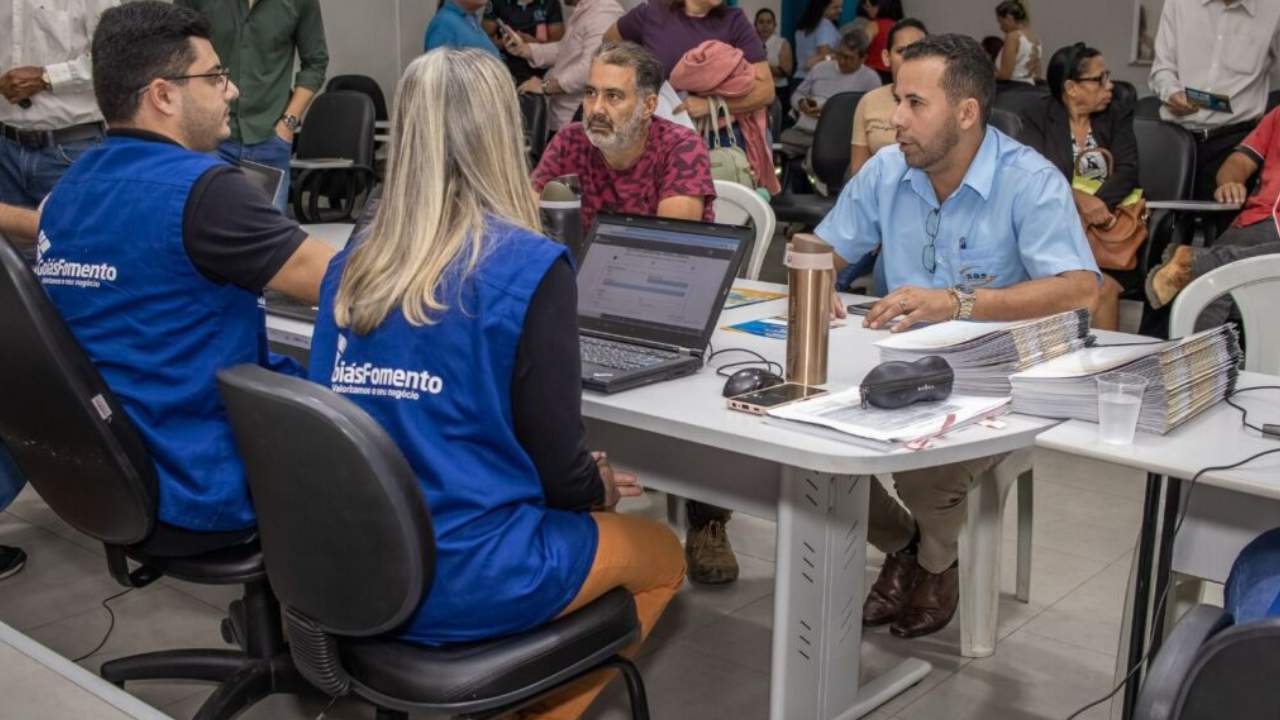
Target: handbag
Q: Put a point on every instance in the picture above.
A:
(1115, 246)
(728, 162)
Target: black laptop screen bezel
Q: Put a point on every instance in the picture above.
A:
(669, 335)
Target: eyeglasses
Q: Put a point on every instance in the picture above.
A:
(929, 257)
(224, 76)
(1102, 79)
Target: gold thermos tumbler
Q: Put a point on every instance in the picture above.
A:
(810, 273)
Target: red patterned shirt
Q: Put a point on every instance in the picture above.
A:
(674, 163)
(1263, 146)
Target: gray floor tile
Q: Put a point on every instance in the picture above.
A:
(60, 579)
(1029, 677)
(150, 619)
(1089, 616)
(696, 606)
(29, 507)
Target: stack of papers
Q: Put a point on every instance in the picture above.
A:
(1184, 377)
(844, 413)
(984, 354)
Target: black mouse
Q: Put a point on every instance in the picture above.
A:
(750, 380)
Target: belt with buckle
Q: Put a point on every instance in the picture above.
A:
(38, 139)
(1207, 134)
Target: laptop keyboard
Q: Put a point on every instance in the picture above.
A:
(620, 356)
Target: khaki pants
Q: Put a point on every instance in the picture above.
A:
(635, 553)
(936, 498)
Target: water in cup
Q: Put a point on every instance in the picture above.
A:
(1119, 404)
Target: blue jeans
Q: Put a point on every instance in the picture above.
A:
(11, 481)
(1253, 588)
(274, 151)
(27, 174)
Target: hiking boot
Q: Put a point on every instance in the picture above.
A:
(12, 560)
(708, 555)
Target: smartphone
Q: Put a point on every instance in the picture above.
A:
(861, 308)
(759, 402)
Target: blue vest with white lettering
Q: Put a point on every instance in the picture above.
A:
(112, 260)
(505, 562)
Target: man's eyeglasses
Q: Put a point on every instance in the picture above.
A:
(223, 76)
(929, 257)
(1102, 79)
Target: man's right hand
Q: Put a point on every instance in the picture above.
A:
(838, 311)
(1232, 192)
(617, 483)
(1180, 106)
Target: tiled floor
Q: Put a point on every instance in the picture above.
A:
(709, 656)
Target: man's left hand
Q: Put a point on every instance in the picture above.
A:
(911, 305)
(21, 83)
(283, 132)
(533, 86)
(697, 107)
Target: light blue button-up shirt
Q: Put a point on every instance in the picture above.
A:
(1012, 219)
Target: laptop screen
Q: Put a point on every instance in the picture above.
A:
(658, 280)
(263, 176)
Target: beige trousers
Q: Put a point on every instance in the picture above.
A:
(935, 502)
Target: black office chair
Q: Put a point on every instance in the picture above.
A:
(1209, 669)
(362, 84)
(1007, 122)
(1273, 100)
(72, 440)
(533, 112)
(350, 550)
(830, 155)
(339, 126)
(1147, 107)
(1166, 171)
(1123, 93)
(1016, 97)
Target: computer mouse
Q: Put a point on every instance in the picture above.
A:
(750, 380)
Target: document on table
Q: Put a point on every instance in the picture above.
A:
(843, 412)
(742, 297)
(770, 327)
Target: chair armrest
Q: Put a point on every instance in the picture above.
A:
(1177, 655)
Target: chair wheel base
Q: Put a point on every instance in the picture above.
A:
(242, 680)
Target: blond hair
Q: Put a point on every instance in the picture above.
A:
(456, 155)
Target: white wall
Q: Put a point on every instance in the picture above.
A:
(377, 38)
(1104, 24)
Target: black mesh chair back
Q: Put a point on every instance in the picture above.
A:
(533, 111)
(1007, 122)
(831, 147)
(1166, 159)
(362, 84)
(339, 125)
(344, 527)
(1273, 100)
(66, 431)
(1015, 97)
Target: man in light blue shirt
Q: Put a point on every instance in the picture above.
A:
(457, 25)
(973, 225)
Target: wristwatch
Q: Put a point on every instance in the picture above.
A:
(964, 301)
(44, 78)
(291, 121)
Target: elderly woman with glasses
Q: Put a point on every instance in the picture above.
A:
(1090, 139)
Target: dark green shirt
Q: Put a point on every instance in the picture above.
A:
(258, 46)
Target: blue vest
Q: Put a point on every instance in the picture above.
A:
(112, 260)
(505, 562)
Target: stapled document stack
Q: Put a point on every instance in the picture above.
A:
(1184, 377)
(984, 354)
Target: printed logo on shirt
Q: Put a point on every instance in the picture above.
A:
(60, 271)
(350, 378)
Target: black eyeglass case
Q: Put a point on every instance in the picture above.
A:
(898, 384)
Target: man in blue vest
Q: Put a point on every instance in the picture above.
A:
(155, 252)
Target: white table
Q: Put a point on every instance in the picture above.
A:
(1231, 506)
(36, 682)
(1193, 205)
(681, 439)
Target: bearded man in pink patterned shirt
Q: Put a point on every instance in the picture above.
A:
(627, 160)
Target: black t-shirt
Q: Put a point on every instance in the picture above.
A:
(524, 18)
(230, 230)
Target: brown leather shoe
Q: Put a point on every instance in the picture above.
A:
(889, 594)
(931, 605)
(1167, 279)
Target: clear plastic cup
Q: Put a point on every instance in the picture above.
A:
(1119, 403)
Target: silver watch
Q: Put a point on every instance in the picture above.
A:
(291, 121)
